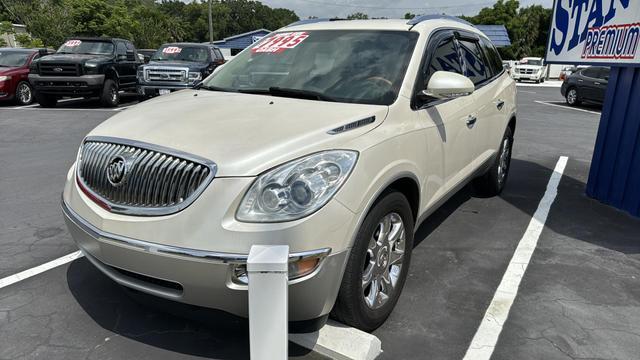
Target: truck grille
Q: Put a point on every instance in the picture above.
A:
(166, 74)
(141, 179)
(525, 71)
(59, 69)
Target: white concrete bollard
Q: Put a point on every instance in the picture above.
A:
(268, 268)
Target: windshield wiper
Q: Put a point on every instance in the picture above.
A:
(292, 93)
(201, 86)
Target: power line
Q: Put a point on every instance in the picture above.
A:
(317, 2)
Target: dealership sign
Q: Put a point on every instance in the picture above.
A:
(595, 32)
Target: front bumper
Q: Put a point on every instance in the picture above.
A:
(532, 77)
(154, 90)
(67, 85)
(190, 256)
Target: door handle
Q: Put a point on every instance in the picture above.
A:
(580, 80)
(596, 83)
(500, 104)
(471, 120)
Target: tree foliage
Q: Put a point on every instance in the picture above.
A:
(148, 23)
(528, 27)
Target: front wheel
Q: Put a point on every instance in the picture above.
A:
(572, 97)
(494, 180)
(110, 96)
(24, 93)
(378, 264)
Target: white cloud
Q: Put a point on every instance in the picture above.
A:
(387, 8)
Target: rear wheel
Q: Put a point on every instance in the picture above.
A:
(494, 180)
(24, 93)
(572, 97)
(47, 101)
(378, 264)
(110, 96)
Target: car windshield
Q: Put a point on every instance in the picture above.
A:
(181, 53)
(86, 47)
(531, 62)
(13, 58)
(355, 66)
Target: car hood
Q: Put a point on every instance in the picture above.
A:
(193, 66)
(534, 67)
(243, 134)
(73, 58)
(8, 70)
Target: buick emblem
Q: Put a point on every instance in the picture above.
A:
(57, 69)
(117, 171)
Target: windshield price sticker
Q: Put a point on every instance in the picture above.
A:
(172, 50)
(72, 43)
(280, 42)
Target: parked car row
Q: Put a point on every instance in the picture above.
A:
(102, 68)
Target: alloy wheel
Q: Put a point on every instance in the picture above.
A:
(383, 261)
(24, 94)
(505, 157)
(572, 96)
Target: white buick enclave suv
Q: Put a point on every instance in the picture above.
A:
(336, 138)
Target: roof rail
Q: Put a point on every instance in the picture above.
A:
(418, 19)
(313, 21)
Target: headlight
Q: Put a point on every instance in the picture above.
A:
(90, 68)
(298, 188)
(195, 76)
(5, 78)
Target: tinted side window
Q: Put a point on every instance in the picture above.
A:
(590, 72)
(218, 54)
(444, 58)
(604, 73)
(493, 57)
(475, 67)
(121, 49)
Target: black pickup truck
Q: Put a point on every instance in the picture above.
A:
(88, 67)
(177, 66)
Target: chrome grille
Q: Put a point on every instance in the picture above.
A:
(526, 71)
(156, 181)
(59, 69)
(166, 74)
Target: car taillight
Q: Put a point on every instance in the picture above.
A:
(219, 61)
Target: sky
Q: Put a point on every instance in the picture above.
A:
(387, 8)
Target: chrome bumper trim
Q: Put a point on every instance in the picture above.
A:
(220, 257)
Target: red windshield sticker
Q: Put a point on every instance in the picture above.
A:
(280, 42)
(72, 43)
(172, 50)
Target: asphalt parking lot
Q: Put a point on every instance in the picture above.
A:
(579, 298)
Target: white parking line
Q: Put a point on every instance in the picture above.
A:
(36, 105)
(567, 107)
(12, 279)
(486, 336)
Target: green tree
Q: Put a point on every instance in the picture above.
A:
(358, 16)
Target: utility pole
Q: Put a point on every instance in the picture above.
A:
(210, 24)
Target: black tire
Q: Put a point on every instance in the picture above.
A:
(24, 93)
(47, 101)
(572, 97)
(110, 96)
(351, 306)
(495, 179)
(541, 80)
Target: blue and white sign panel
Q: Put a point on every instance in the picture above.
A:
(603, 32)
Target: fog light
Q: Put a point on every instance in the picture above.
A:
(297, 269)
(302, 268)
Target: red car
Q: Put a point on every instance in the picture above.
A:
(14, 73)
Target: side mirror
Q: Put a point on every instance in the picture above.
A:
(448, 85)
(131, 56)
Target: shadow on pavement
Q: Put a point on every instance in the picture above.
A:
(573, 214)
(172, 326)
